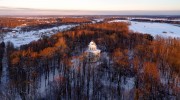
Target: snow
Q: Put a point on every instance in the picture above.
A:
(5, 74)
(117, 20)
(128, 83)
(161, 29)
(19, 39)
(97, 20)
(45, 82)
(178, 20)
(5, 83)
(75, 62)
(94, 51)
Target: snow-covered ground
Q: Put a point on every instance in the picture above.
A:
(175, 20)
(161, 29)
(5, 74)
(19, 39)
(46, 80)
(97, 20)
(128, 83)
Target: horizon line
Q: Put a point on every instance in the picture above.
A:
(32, 11)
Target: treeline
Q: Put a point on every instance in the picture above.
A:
(75, 20)
(158, 21)
(116, 18)
(150, 66)
(15, 22)
(37, 23)
(57, 22)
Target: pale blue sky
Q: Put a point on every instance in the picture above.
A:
(95, 5)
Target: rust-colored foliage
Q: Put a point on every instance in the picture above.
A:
(151, 70)
(48, 52)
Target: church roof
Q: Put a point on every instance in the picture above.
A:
(93, 48)
(92, 43)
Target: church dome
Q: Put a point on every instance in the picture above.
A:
(93, 52)
(92, 46)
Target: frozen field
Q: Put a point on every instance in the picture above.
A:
(19, 39)
(161, 29)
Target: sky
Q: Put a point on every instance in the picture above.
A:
(89, 6)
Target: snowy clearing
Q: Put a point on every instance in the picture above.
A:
(19, 39)
(161, 29)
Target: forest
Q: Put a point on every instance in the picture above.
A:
(132, 66)
(13, 22)
(8, 24)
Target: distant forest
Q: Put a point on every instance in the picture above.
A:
(132, 66)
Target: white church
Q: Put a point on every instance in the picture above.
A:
(93, 53)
